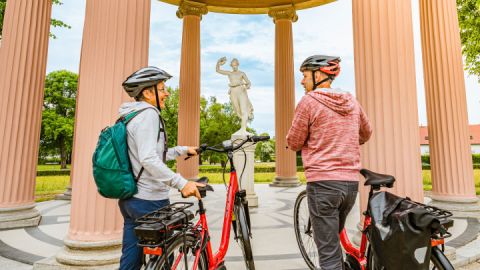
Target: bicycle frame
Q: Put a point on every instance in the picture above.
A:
(216, 260)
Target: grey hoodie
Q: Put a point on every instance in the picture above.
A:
(157, 178)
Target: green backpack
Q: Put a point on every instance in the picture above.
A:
(112, 170)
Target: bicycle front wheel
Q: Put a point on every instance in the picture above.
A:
(304, 231)
(243, 234)
(176, 252)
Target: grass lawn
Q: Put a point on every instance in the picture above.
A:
(48, 186)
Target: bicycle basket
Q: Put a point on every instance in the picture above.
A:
(159, 225)
(400, 231)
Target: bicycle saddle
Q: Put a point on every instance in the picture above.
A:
(203, 190)
(377, 180)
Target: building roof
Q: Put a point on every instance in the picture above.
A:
(251, 6)
(474, 131)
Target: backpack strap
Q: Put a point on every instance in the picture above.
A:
(127, 118)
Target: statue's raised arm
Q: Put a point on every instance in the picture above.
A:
(221, 62)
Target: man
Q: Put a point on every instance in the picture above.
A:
(328, 127)
(148, 152)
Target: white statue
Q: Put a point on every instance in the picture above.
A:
(239, 84)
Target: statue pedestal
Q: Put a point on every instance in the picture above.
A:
(246, 181)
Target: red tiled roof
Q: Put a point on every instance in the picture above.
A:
(474, 131)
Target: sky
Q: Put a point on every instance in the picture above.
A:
(250, 39)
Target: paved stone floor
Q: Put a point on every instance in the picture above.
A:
(274, 243)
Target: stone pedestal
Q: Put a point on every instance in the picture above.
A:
(20, 216)
(459, 209)
(247, 180)
(84, 255)
(67, 195)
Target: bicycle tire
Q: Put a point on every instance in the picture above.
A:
(174, 246)
(243, 235)
(438, 260)
(304, 231)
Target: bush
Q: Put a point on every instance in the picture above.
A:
(476, 159)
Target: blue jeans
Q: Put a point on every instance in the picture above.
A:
(132, 209)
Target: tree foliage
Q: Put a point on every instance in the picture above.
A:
(53, 22)
(218, 122)
(58, 115)
(469, 21)
(264, 151)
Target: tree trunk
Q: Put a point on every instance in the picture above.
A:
(63, 153)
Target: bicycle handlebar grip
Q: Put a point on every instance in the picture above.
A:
(260, 138)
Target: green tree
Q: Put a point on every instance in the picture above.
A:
(264, 151)
(58, 114)
(53, 22)
(469, 21)
(217, 123)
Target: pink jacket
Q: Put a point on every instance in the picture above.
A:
(329, 126)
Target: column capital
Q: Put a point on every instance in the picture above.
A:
(287, 12)
(191, 8)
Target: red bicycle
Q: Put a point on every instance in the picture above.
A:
(361, 258)
(171, 241)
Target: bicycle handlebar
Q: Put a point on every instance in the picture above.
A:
(229, 147)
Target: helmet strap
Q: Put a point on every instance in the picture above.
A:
(315, 85)
(156, 98)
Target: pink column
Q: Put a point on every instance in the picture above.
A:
(385, 87)
(115, 43)
(450, 154)
(23, 58)
(285, 163)
(189, 96)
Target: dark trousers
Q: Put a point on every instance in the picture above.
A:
(329, 203)
(132, 209)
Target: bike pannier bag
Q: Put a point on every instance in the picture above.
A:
(400, 233)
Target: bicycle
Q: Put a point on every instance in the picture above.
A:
(171, 241)
(361, 258)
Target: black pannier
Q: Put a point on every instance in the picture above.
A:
(400, 233)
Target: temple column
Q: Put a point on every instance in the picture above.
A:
(115, 44)
(189, 95)
(450, 152)
(285, 161)
(385, 87)
(23, 58)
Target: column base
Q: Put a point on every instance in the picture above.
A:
(19, 217)
(67, 195)
(252, 200)
(285, 182)
(84, 255)
(465, 207)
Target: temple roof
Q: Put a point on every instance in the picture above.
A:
(251, 6)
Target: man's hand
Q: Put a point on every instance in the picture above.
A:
(192, 151)
(190, 189)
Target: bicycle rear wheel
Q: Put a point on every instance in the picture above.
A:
(243, 234)
(438, 260)
(176, 252)
(304, 231)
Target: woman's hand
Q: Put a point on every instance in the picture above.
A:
(190, 189)
(192, 151)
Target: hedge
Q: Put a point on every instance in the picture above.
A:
(53, 172)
